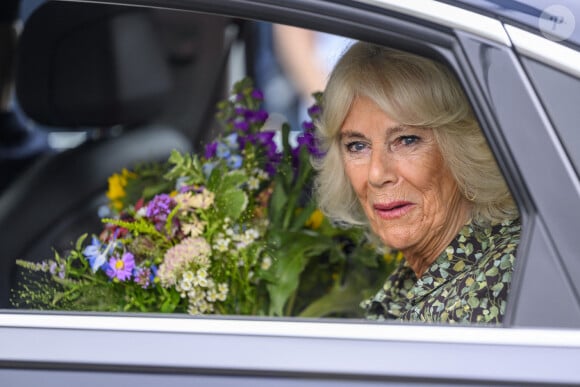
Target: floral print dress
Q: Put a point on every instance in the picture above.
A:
(468, 283)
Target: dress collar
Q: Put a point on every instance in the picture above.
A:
(461, 255)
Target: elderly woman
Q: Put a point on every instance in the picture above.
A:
(405, 157)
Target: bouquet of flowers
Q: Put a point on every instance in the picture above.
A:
(233, 231)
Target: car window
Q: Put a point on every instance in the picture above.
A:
(322, 269)
(557, 91)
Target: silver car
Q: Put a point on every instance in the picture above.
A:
(519, 64)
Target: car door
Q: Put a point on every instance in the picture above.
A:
(538, 343)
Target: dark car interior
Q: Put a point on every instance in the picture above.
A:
(133, 83)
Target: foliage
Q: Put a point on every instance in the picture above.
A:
(232, 231)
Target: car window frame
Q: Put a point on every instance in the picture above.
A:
(368, 23)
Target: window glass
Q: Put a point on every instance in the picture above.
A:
(558, 92)
(190, 194)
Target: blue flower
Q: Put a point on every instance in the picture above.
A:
(96, 257)
(208, 168)
(222, 150)
(234, 162)
(232, 141)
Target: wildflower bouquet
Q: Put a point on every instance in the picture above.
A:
(233, 231)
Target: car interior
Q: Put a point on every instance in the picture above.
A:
(98, 88)
(133, 94)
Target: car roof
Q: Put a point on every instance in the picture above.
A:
(538, 16)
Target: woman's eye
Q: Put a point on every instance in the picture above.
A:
(355, 146)
(408, 140)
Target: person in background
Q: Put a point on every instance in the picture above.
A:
(307, 58)
(406, 158)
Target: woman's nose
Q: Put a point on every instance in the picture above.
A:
(381, 169)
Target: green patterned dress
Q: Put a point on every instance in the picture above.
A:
(468, 282)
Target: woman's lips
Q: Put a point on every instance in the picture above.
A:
(393, 210)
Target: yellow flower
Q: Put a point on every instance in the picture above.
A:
(117, 184)
(391, 256)
(315, 219)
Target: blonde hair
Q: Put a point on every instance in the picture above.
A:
(414, 91)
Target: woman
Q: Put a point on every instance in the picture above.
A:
(405, 157)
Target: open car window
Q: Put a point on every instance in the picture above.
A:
(344, 270)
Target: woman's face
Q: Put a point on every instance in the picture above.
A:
(398, 173)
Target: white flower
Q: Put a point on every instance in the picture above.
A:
(192, 309)
(141, 212)
(260, 174)
(192, 294)
(203, 306)
(251, 235)
(202, 282)
(221, 244)
(193, 229)
(222, 291)
(253, 183)
(185, 285)
(211, 295)
(266, 263)
(202, 273)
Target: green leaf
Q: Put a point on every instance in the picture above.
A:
(277, 204)
(185, 165)
(231, 203)
(232, 179)
(170, 303)
(289, 262)
(80, 241)
(214, 180)
(300, 218)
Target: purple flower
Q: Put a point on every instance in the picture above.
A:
(242, 125)
(158, 209)
(270, 169)
(160, 205)
(260, 116)
(186, 188)
(265, 139)
(257, 94)
(210, 150)
(314, 110)
(53, 268)
(121, 268)
(308, 140)
(144, 276)
(308, 126)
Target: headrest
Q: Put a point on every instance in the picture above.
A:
(90, 65)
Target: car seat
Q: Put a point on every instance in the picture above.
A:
(98, 70)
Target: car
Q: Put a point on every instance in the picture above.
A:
(519, 66)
